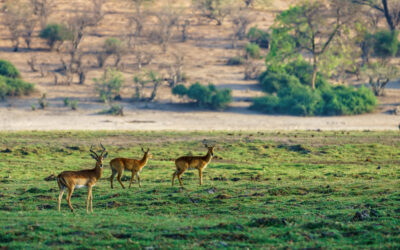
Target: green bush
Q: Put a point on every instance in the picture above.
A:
(385, 43)
(14, 87)
(180, 90)
(113, 45)
(8, 69)
(253, 51)
(329, 100)
(259, 37)
(236, 60)
(273, 81)
(290, 93)
(205, 96)
(276, 77)
(54, 33)
(115, 109)
(109, 85)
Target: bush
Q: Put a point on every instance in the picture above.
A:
(205, 96)
(180, 90)
(276, 77)
(236, 60)
(259, 37)
(329, 100)
(253, 51)
(14, 87)
(385, 43)
(109, 85)
(8, 69)
(113, 110)
(74, 105)
(113, 46)
(54, 33)
(273, 81)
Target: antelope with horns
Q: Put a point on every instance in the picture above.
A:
(119, 165)
(83, 178)
(197, 162)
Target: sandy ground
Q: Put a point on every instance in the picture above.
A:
(155, 119)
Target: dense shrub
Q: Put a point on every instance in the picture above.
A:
(253, 51)
(205, 96)
(276, 77)
(329, 100)
(14, 87)
(385, 43)
(54, 33)
(8, 69)
(290, 93)
(236, 60)
(259, 37)
(109, 85)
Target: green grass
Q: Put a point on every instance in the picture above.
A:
(262, 190)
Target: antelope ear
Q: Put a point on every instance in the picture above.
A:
(148, 149)
(142, 150)
(94, 157)
(105, 156)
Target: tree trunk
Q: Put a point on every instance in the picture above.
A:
(315, 70)
(388, 16)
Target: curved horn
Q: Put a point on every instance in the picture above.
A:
(94, 153)
(104, 149)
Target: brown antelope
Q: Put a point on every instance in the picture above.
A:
(197, 162)
(83, 178)
(119, 165)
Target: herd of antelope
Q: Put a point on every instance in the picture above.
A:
(88, 178)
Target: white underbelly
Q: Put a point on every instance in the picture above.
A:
(80, 186)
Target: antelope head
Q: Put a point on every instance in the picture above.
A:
(210, 149)
(147, 155)
(99, 158)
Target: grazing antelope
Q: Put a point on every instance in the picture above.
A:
(198, 162)
(118, 165)
(83, 178)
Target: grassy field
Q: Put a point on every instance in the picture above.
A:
(263, 190)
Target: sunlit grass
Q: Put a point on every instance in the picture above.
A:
(276, 189)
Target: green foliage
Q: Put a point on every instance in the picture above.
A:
(236, 60)
(74, 105)
(43, 103)
(54, 33)
(8, 69)
(311, 183)
(259, 37)
(385, 43)
(180, 90)
(113, 45)
(109, 85)
(301, 100)
(14, 87)
(66, 102)
(290, 93)
(115, 109)
(205, 96)
(298, 71)
(253, 51)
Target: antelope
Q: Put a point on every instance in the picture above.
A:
(118, 165)
(83, 178)
(197, 162)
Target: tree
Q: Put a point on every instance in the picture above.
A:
(139, 16)
(168, 18)
(55, 34)
(378, 75)
(144, 79)
(241, 20)
(216, 10)
(310, 27)
(109, 85)
(42, 9)
(391, 10)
